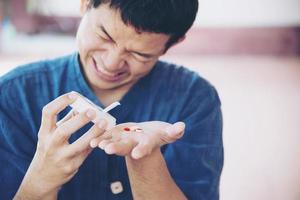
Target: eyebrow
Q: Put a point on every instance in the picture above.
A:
(105, 32)
(146, 55)
(143, 54)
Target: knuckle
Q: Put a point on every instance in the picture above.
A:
(95, 132)
(48, 111)
(65, 98)
(83, 117)
(60, 132)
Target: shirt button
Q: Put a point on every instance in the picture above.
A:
(116, 187)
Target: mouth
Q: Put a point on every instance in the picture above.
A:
(108, 76)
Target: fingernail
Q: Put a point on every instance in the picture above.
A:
(136, 154)
(93, 143)
(102, 124)
(72, 95)
(90, 113)
(179, 126)
(101, 146)
(170, 129)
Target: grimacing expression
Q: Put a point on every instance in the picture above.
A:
(113, 54)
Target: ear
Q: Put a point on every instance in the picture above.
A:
(179, 41)
(84, 6)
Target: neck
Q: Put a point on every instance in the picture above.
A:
(109, 96)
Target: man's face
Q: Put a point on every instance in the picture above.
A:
(112, 54)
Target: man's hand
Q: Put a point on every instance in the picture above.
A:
(142, 141)
(138, 143)
(56, 161)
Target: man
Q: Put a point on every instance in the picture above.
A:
(46, 156)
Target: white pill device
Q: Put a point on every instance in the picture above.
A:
(82, 103)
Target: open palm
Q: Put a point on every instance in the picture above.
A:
(123, 141)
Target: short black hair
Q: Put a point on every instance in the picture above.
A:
(171, 17)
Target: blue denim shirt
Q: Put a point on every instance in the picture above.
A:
(168, 93)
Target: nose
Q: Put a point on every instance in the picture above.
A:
(113, 59)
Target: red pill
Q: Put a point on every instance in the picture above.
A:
(126, 129)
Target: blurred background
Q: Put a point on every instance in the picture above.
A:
(249, 50)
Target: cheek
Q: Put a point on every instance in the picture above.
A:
(87, 41)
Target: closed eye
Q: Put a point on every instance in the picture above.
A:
(107, 36)
(142, 58)
(103, 38)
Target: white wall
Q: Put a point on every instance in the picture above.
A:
(57, 7)
(248, 13)
(260, 103)
(216, 13)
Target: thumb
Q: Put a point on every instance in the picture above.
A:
(175, 130)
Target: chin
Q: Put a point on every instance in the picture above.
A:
(110, 86)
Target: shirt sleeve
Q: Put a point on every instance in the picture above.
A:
(196, 160)
(17, 144)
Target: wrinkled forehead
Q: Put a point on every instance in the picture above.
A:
(105, 17)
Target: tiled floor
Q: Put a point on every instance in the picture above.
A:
(261, 108)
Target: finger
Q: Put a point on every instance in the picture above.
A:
(66, 129)
(66, 118)
(141, 150)
(175, 131)
(104, 143)
(51, 110)
(121, 148)
(83, 143)
(172, 132)
(95, 141)
(113, 135)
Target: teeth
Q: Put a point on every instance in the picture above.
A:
(108, 73)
